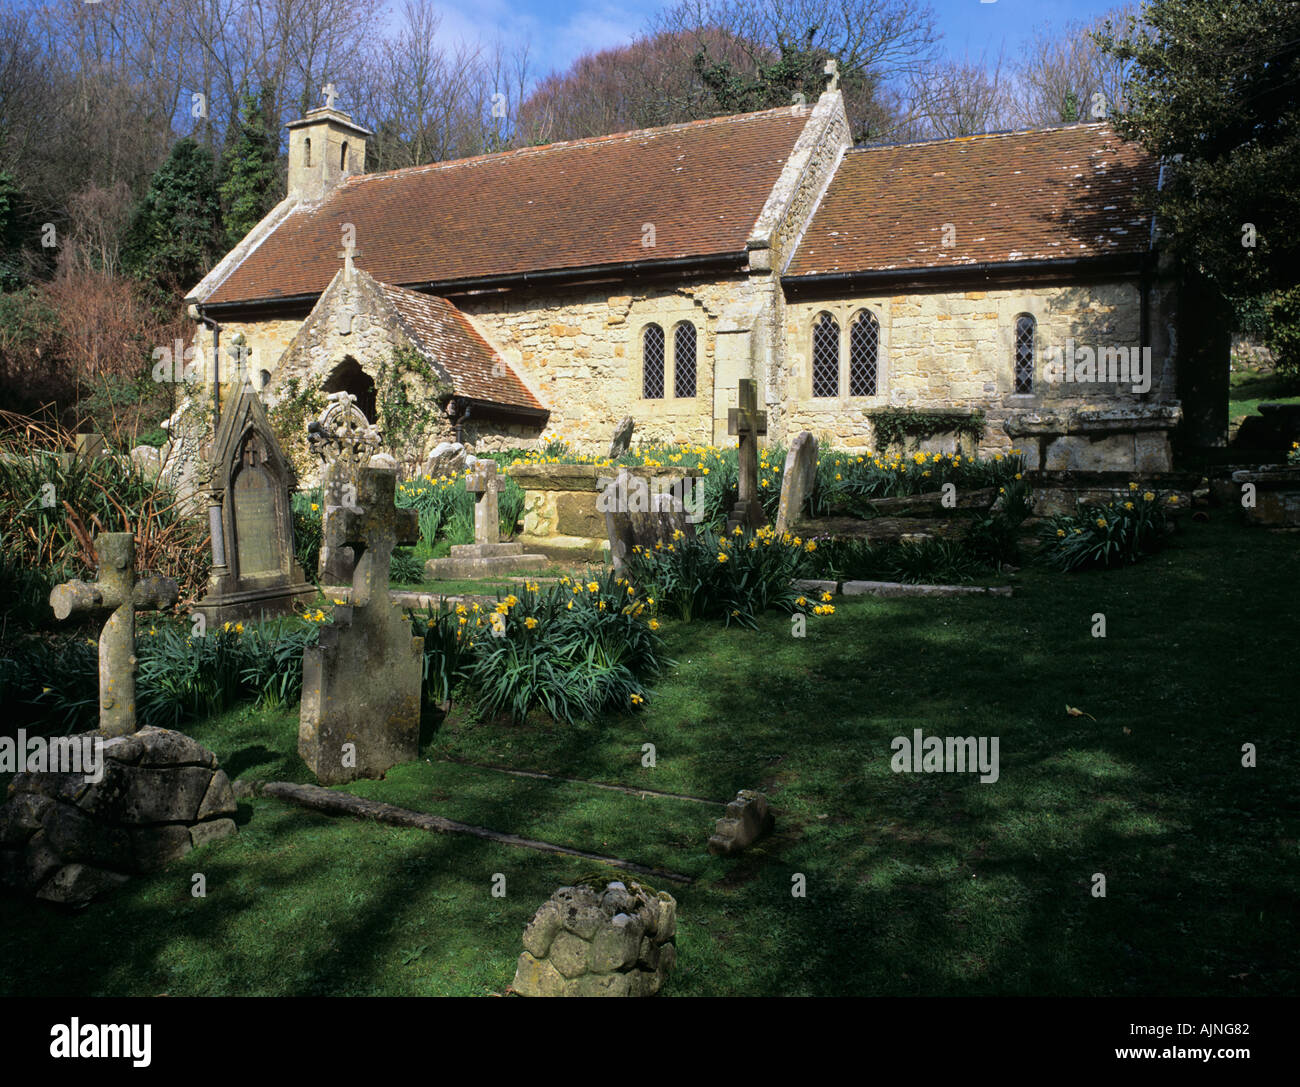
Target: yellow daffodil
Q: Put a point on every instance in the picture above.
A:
(653, 624)
(1148, 497)
(722, 557)
(530, 623)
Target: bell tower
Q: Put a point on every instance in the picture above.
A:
(325, 147)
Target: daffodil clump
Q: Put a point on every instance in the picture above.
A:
(1122, 531)
(1293, 454)
(718, 575)
(186, 670)
(573, 648)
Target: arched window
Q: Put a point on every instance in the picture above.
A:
(684, 359)
(1024, 360)
(306, 151)
(343, 158)
(864, 349)
(348, 377)
(826, 356)
(652, 363)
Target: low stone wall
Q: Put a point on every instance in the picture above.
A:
(1276, 495)
(560, 513)
(616, 942)
(1059, 492)
(67, 840)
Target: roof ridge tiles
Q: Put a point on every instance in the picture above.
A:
(1089, 125)
(559, 145)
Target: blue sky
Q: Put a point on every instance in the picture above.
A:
(558, 31)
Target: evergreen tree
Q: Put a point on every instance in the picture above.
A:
(250, 185)
(175, 231)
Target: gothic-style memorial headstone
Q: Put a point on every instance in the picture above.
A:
(747, 423)
(115, 588)
(345, 440)
(797, 480)
(361, 685)
(254, 571)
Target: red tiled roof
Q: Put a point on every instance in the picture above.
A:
(566, 205)
(1049, 194)
(446, 334)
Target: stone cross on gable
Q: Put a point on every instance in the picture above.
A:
(347, 254)
(832, 69)
(330, 92)
(372, 529)
(747, 423)
(484, 484)
(116, 588)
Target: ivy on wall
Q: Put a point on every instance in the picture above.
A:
(300, 403)
(894, 426)
(408, 398)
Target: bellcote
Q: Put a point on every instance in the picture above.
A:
(325, 147)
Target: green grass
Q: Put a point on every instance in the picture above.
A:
(1248, 387)
(917, 884)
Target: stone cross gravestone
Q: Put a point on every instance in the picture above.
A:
(254, 571)
(344, 440)
(487, 554)
(361, 684)
(797, 480)
(622, 440)
(116, 587)
(747, 423)
(636, 517)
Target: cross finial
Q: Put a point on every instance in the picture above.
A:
(330, 92)
(348, 253)
(832, 69)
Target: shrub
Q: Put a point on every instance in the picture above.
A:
(734, 578)
(308, 521)
(574, 649)
(1120, 532)
(404, 568)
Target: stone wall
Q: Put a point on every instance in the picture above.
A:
(66, 839)
(618, 942)
(954, 350)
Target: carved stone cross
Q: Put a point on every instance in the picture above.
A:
(747, 423)
(330, 92)
(347, 254)
(118, 589)
(832, 69)
(485, 486)
(372, 529)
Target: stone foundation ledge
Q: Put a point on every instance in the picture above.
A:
(618, 941)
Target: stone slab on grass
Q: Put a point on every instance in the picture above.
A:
(813, 585)
(900, 588)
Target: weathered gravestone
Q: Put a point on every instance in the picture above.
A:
(747, 423)
(797, 480)
(637, 517)
(622, 440)
(344, 440)
(487, 554)
(118, 589)
(361, 685)
(254, 571)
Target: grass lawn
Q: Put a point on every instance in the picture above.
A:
(916, 883)
(1250, 386)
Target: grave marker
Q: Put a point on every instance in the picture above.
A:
(747, 423)
(636, 518)
(487, 554)
(797, 480)
(254, 571)
(361, 684)
(344, 440)
(116, 587)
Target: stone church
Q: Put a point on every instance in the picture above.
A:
(1010, 283)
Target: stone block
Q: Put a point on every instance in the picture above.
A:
(604, 985)
(79, 884)
(219, 800)
(141, 796)
(542, 930)
(534, 977)
(747, 820)
(576, 514)
(156, 847)
(615, 945)
(569, 954)
(76, 837)
(21, 817)
(213, 831)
